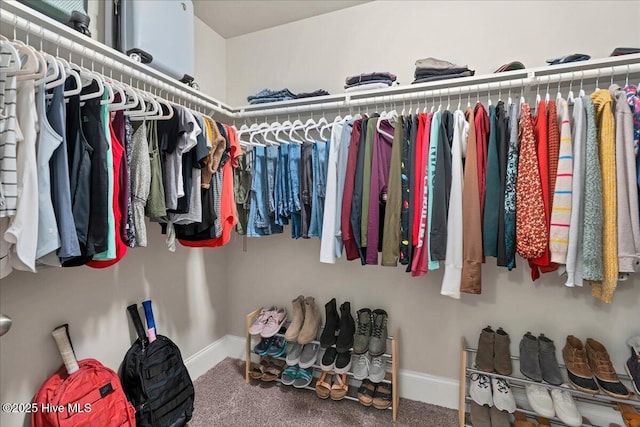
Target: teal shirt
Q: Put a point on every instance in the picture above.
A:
(492, 194)
(431, 172)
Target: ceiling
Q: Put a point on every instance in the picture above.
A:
(231, 18)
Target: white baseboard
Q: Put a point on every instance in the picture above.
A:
(205, 359)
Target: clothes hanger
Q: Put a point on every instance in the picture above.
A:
(265, 133)
(547, 96)
(570, 98)
(279, 129)
(559, 95)
(308, 126)
(12, 62)
(459, 98)
(257, 132)
(489, 95)
(297, 124)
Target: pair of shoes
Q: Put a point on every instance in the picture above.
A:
(589, 361)
(633, 364)
(369, 367)
(267, 370)
(538, 359)
(520, 420)
(274, 346)
(378, 395)
(371, 334)
(501, 397)
(268, 322)
(340, 363)
(493, 352)
(483, 416)
(305, 322)
(559, 402)
(303, 355)
(296, 376)
(337, 391)
(338, 330)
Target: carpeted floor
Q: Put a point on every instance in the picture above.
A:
(224, 399)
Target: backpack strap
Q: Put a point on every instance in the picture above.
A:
(137, 323)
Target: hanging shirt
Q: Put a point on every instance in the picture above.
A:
(510, 189)
(455, 225)
(441, 189)
(366, 185)
(433, 159)
(341, 170)
(482, 126)
(140, 181)
(503, 152)
(331, 201)
(8, 140)
(392, 218)
(406, 171)
(491, 208)
(48, 142)
(156, 205)
(130, 226)
(346, 228)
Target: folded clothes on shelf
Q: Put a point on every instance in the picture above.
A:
(368, 77)
(433, 69)
(319, 92)
(574, 57)
(266, 95)
(368, 86)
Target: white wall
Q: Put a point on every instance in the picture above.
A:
(211, 61)
(382, 35)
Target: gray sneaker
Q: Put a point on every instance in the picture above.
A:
(361, 367)
(363, 331)
(378, 341)
(293, 353)
(376, 370)
(308, 355)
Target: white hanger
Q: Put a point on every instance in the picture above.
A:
(297, 124)
(310, 124)
(12, 63)
(55, 75)
(258, 131)
(283, 127)
(265, 133)
(547, 96)
(581, 93)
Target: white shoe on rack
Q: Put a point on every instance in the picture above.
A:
(540, 400)
(502, 397)
(480, 390)
(566, 408)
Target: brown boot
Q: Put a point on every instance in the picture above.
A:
(499, 418)
(502, 353)
(484, 357)
(602, 368)
(480, 415)
(311, 323)
(298, 319)
(578, 370)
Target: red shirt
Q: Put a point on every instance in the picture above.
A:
(350, 246)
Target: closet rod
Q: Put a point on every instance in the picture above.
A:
(14, 15)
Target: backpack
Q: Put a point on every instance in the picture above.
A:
(155, 380)
(89, 396)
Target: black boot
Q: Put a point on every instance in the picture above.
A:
(331, 325)
(347, 329)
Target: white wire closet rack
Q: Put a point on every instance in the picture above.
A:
(32, 26)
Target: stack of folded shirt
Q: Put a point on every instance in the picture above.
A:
(319, 92)
(432, 69)
(369, 81)
(266, 95)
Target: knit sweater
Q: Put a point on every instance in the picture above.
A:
(602, 102)
(562, 195)
(471, 281)
(628, 224)
(576, 228)
(592, 236)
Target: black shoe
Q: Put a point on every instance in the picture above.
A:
(331, 325)
(343, 363)
(347, 329)
(328, 361)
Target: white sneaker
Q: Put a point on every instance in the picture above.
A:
(540, 400)
(480, 390)
(361, 367)
(376, 370)
(566, 408)
(502, 397)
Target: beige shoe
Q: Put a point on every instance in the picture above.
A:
(298, 318)
(311, 323)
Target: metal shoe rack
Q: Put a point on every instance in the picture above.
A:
(467, 357)
(391, 362)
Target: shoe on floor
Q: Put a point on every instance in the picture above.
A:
(530, 357)
(502, 397)
(480, 389)
(361, 366)
(378, 340)
(293, 353)
(262, 347)
(565, 408)
(273, 371)
(261, 321)
(602, 368)
(274, 323)
(340, 387)
(578, 369)
(311, 324)
(297, 320)
(377, 370)
(366, 392)
(502, 362)
(328, 361)
(363, 331)
(331, 325)
(344, 343)
(548, 362)
(633, 364)
(540, 400)
(289, 375)
(308, 355)
(499, 418)
(382, 396)
(343, 363)
(323, 385)
(480, 415)
(486, 345)
(277, 348)
(303, 378)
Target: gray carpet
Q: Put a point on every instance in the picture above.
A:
(224, 399)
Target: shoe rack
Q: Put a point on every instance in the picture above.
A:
(390, 359)
(467, 358)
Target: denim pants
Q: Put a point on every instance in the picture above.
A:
(319, 165)
(258, 224)
(272, 165)
(295, 207)
(282, 183)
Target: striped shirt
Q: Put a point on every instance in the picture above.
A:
(8, 139)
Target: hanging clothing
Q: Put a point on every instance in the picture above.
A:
(306, 186)
(413, 134)
(503, 153)
(156, 205)
(492, 192)
(366, 185)
(341, 170)
(391, 240)
(511, 189)
(348, 195)
(441, 189)
(141, 180)
(8, 142)
(483, 130)
(318, 192)
(128, 143)
(602, 102)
